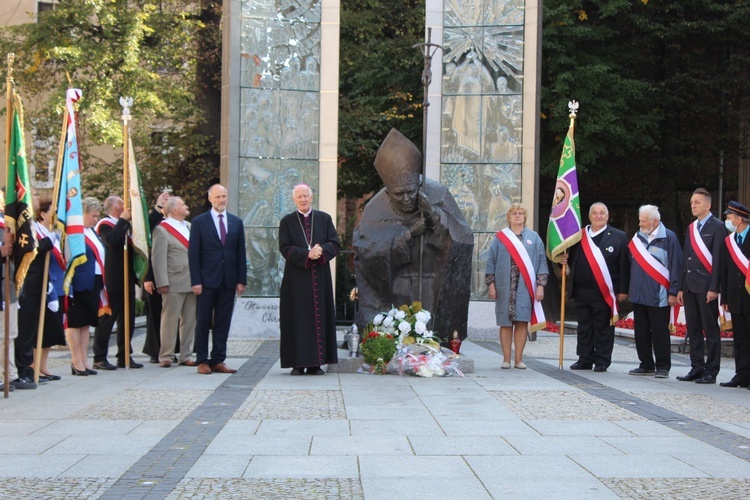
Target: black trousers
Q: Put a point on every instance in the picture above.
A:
(106, 324)
(152, 306)
(703, 318)
(214, 305)
(652, 337)
(28, 327)
(596, 337)
(741, 331)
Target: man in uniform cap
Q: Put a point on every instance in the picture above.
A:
(735, 289)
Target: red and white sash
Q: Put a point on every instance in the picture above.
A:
(175, 231)
(599, 268)
(739, 258)
(96, 247)
(41, 233)
(521, 257)
(700, 248)
(648, 262)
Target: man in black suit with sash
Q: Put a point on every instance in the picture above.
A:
(218, 272)
(599, 278)
(735, 289)
(113, 231)
(699, 289)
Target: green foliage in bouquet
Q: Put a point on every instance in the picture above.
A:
(376, 345)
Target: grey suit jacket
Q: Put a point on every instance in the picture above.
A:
(169, 257)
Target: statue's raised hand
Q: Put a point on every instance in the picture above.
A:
(418, 228)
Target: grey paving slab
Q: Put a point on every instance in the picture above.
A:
(21, 444)
(651, 465)
(10, 427)
(673, 445)
(102, 444)
(461, 445)
(577, 428)
(220, 466)
(429, 467)
(303, 467)
(511, 426)
(392, 446)
(647, 428)
(154, 428)
(89, 428)
(259, 445)
(469, 407)
(721, 465)
(29, 465)
(542, 487)
(490, 470)
(240, 428)
(387, 412)
(303, 428)
(561, 445)
(395, 427)
(448, 489)
(104, 466)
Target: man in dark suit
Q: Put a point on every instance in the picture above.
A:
(735, 289)
(218, 272)
(152, 300)
(113, 231)
(699, 289)
(599, 270)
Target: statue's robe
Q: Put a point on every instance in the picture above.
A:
(387, 261)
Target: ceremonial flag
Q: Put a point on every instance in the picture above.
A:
(18, 210)
(69, 208)
(140, 232)
(564, 229)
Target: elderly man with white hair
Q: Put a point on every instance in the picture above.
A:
(655, 264)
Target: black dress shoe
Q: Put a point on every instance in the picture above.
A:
(154, 360)
(133, 364)
(734, 383)
(52, 377)
(104, 365)
(642, 372)
(297, 371)
(316, 370)
(706, 379)
(600, 368)
(692, 376)
(91, 372)
(578, 365)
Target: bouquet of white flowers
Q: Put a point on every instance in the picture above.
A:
(408, 323)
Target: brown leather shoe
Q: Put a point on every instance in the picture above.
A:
(165, 364)
(204, 369)
(222, 368)
(189, 362)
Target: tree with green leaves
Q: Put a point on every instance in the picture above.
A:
(379, 85)
(662, 88)
(166, 55)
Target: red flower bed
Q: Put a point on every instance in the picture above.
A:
(680, 329)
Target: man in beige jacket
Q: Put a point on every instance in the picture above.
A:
(169, 256)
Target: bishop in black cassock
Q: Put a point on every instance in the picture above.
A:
(307, 313)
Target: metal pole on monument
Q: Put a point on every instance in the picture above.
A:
(428, 50)
(126, 102)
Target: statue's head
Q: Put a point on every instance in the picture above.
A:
(399, 163)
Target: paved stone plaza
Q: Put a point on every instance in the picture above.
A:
(260, 433)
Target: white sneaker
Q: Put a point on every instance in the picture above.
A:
(505, 365)
(520, 365)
